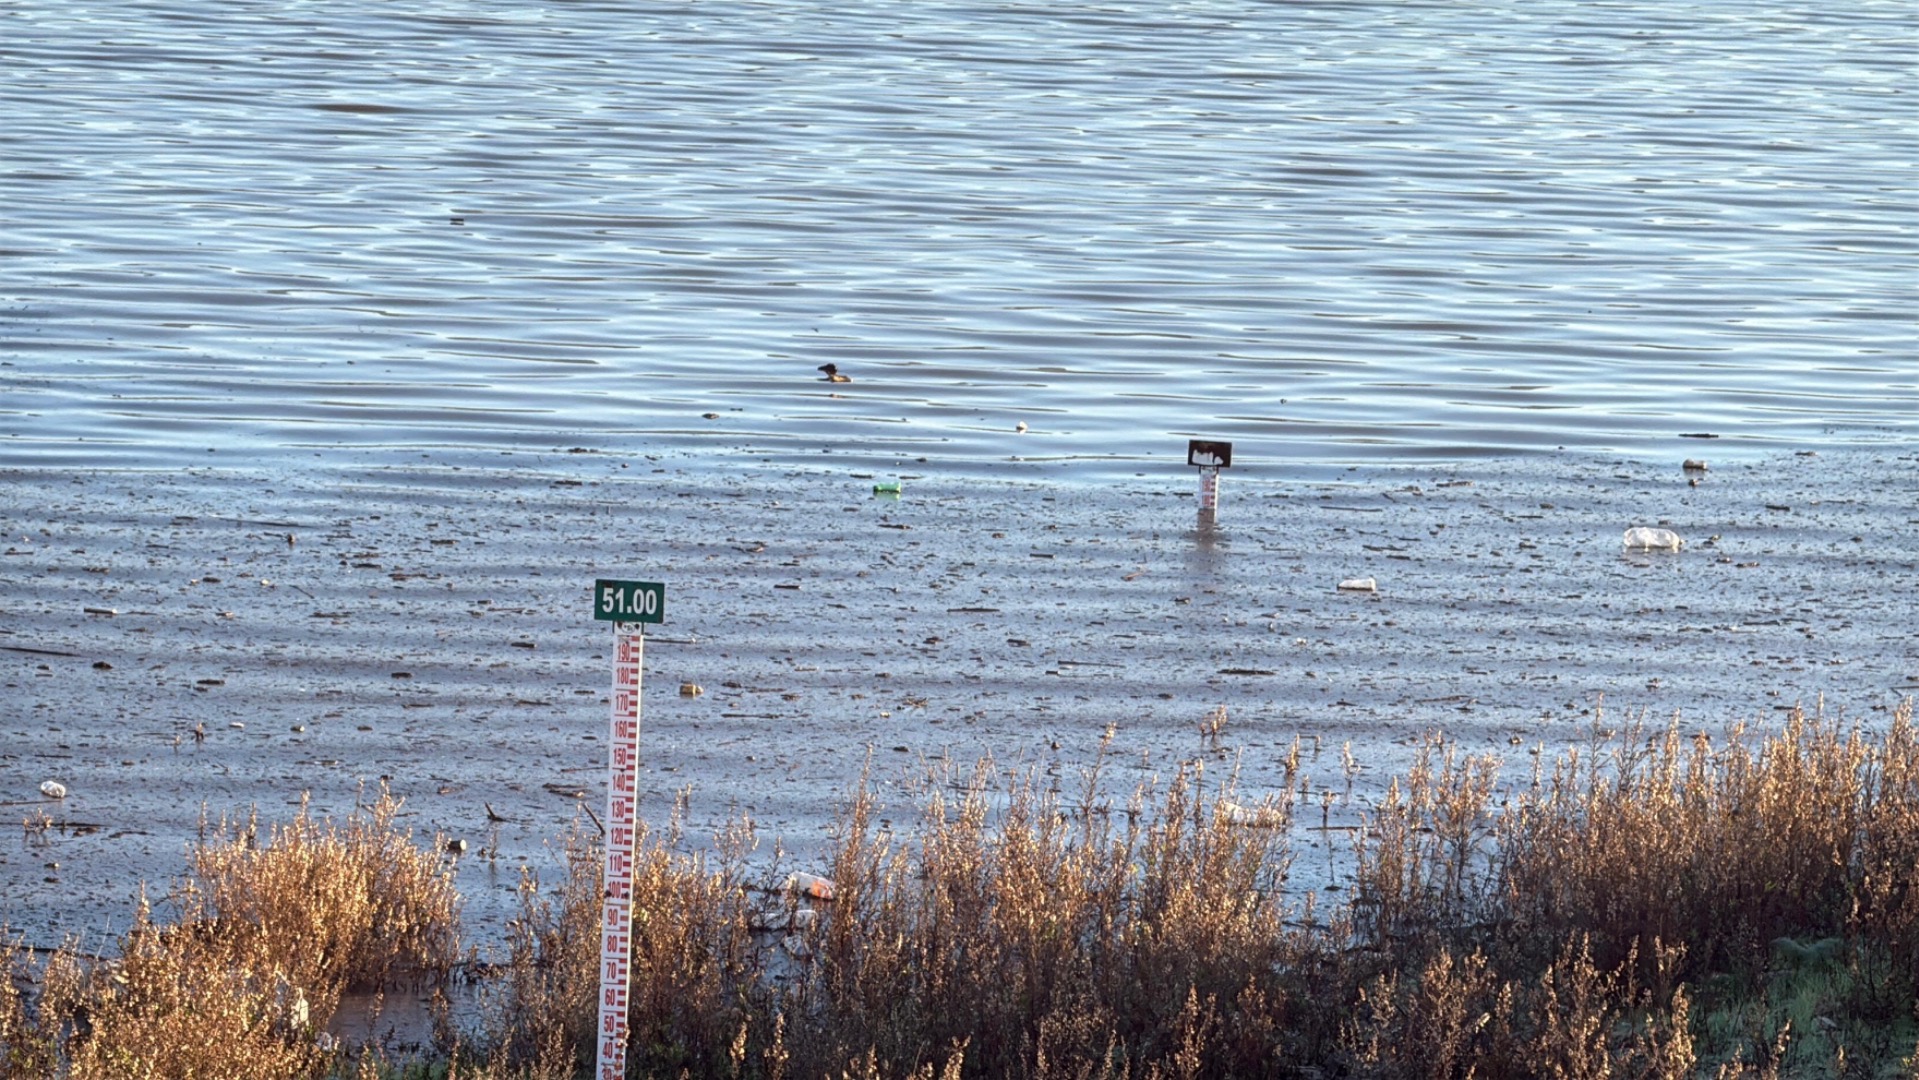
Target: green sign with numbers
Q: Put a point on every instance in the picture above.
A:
(629, 601)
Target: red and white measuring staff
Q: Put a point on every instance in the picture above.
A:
(1209, 491)
(622, 817)
(1208, 456)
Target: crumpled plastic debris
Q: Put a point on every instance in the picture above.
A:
(812, 885)
(1640, 536)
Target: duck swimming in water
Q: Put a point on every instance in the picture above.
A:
(833, 373)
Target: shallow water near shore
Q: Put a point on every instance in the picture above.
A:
(181, 643)
(342, 348)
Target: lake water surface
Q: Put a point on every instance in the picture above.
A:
(1331, 232)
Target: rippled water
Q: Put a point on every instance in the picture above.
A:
(1327, 231)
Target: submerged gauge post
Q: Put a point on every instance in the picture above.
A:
(1208, 456)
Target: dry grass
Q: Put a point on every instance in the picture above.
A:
(1752, 904)
(1725, 848)
(695, 969)
(328, 907)
(27, 1048)
(164, 1010)
(270, 934)
(1650, 907)
(1085, 940)
(1767, 857)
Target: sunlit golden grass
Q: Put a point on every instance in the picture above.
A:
(1725, 848)
(1621, 913)
(326, 906)
(1690, 873)
(1656, 904)
(271, 931)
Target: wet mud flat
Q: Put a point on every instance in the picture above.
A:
(177, 646)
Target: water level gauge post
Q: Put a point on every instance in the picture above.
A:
(1208, 456)
(629, 606)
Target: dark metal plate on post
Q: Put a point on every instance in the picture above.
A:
(1207, 454)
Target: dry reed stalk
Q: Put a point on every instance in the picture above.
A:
(165, 1009)
(1726, 848)
(1604, 921)
(28, 1050)
(1042, 935)
(543, 1006)
(325, 906)
(1420, 862)
(697, 974)
(269, 937)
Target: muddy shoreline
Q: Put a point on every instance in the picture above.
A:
(183, 645)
